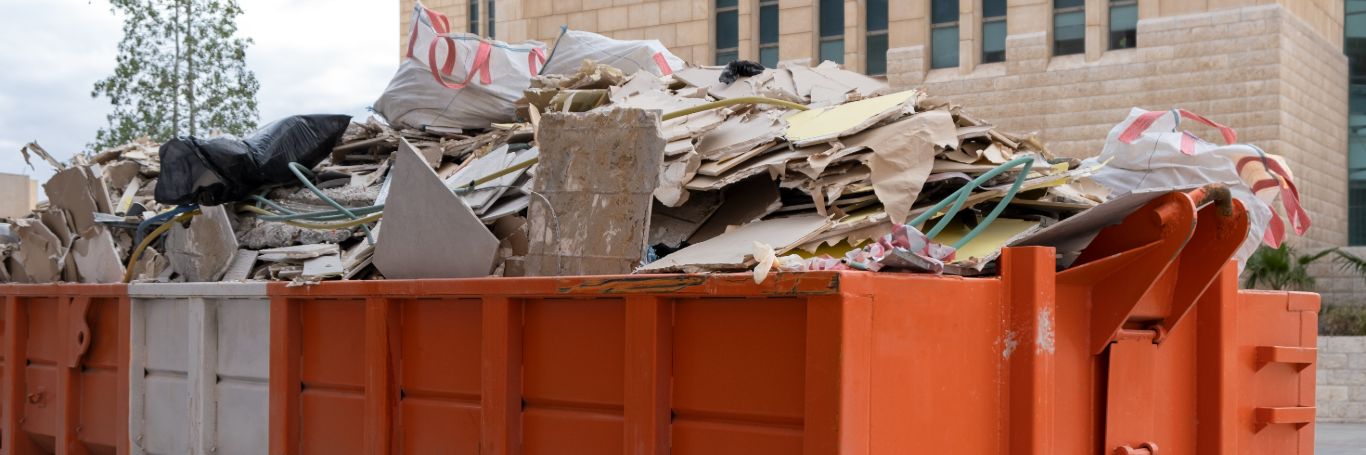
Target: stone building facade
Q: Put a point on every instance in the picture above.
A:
(18, 195)
(1272, 69)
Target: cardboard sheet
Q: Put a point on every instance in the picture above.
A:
(429, 232)
(827, 124)
(81, 193)
(741, 203)
(41, 254)
(988, 244)
(732, 250)
(740, 134)
(903, 156)
(677, 172)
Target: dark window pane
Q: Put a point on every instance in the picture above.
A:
(1123, 26)
(993, 8)
(768, 56)
(725, 3)
(877, 14)
(944, 45)
(833, 50)
(723, 58)
(1354, 46)
(1069, 33)
(1060, 4)
(994, 42)
(727, 30)
(832, 17)
(877, 54)
(491, 18)
(942, 11)
(768, 24)
(474, 18)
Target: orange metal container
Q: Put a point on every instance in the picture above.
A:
(1144, 345)
(64, 376)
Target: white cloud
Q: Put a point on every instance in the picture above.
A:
(311, 56)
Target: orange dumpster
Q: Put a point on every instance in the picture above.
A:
(1143, 346)
(64, 376)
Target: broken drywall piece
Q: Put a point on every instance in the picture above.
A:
(676, 173)
(81, 193)
(607, 166)
(34, 148)
(428, 231)
(830, 123)
(96, 258)
(322, 267)
(298, 253)
(203, 251)
(241, 266)
(40, 252)
(56, 221)
(731, 251)
(482, 196)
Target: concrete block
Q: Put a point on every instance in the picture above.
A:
(1344, 344)
(1332, 394)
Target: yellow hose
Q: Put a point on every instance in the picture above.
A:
(325, 226)
(146, 241)
(728, 102)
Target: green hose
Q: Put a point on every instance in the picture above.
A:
(960, 197)
(299, 171)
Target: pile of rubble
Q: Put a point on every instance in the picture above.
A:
(703, 169)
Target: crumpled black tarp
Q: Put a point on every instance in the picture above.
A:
(226, 169)
(740, 68)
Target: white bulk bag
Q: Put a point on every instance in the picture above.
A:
(457, 80)
(1149, 150)
(629, 56)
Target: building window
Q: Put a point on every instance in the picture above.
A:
(1354, 45)
(768, 33)
(832, 31)
(944, 33)
(876, 21)
(727, 31)
(474, 17)
(489, 20)
(1069, 27)
(993, 31)
(1123, 24)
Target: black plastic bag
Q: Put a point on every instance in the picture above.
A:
(738, 69)
(226, 169)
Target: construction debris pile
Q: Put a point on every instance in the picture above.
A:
(703, 169)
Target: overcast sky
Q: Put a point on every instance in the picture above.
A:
(311, 56)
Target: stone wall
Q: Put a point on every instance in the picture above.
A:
(20, 195)
(1260, 70)
(1338, 286)
(1342, 379)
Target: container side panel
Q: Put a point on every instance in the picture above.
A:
(694, 437)
(574, 352)
(100, 419)
(939, 347)
(103, 319)
(166, 332)
(1078, 388)
(333, 345)
(244, 338)
(43, 330)
(1174, 409)
(166, 428)
(438, 426)
(242, 418)
(1264, 320)
(740, 360)
(332, 372)
(440, 348)
(331, 422)
(243, 400)
(549, 431)
(41, 409)
(439, 375)
(573, 375)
